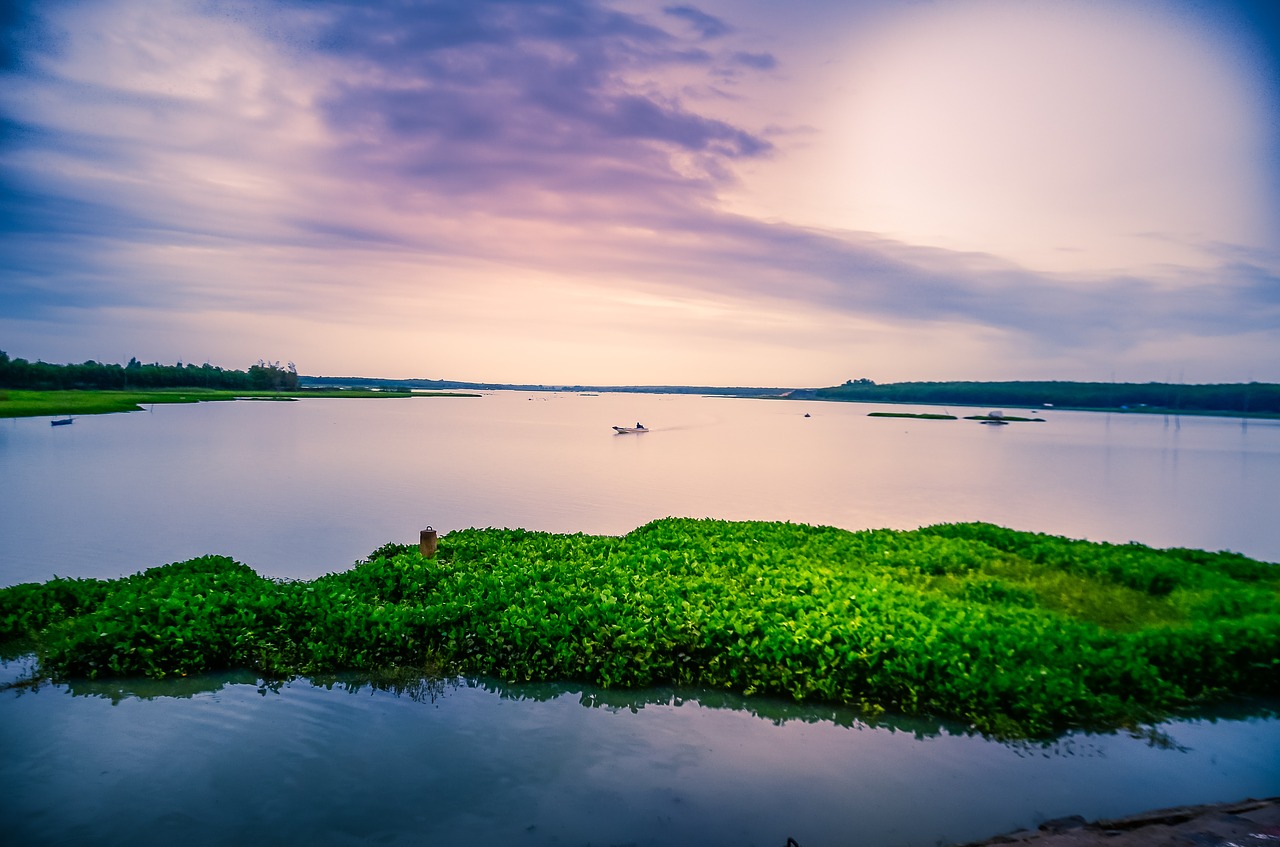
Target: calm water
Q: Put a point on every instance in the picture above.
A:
(221, 761)
(298, 489)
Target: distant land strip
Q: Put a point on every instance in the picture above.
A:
(65, 387)
(1250, 399)
(29, 404)
(455, 385)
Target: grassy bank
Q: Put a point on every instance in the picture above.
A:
(1018, 634)
(19, 404)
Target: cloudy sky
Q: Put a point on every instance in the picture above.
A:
(586, 191)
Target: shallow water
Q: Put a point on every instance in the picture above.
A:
(223, 759)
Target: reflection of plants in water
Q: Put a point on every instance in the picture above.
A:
(414, 683)
(16, 650)
(417, 684)
(420, 686)
(1079, 744)
(1157, 738)
(774, 710)
(1013, 634)
(29, 678)
(141, 688)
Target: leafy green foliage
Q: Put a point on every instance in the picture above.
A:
(1017, 633)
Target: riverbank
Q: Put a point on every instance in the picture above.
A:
(21, 403)
(16, 403)
(1247, 823)
(1252, 400)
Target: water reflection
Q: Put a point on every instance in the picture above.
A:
(23, 677)
(224, 758)
(774, 711)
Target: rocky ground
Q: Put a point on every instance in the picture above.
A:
(1249, 823)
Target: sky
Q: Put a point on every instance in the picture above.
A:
(730, 192)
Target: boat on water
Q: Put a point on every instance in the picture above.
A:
(60, 421)
(623, 430)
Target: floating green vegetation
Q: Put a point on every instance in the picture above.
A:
(17, 404)
(1017, 634)
(1003, 419)
(923, 416)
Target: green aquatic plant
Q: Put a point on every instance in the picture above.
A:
(1016, 634)
(927, 416)
(1003, 418)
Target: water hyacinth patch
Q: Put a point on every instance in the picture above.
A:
(1019, 634)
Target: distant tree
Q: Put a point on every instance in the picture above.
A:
(41, 376)
(266, 376)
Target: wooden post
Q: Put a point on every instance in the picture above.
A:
(427, 544)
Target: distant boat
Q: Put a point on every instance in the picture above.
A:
(60, 421)
(623, 430)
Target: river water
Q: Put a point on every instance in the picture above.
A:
(299, 489)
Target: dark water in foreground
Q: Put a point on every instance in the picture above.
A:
(224, 760)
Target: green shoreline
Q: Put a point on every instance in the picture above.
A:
(18, 403)
(1243, 400)
(1015, 634)
(22, 403)
(1234, 400)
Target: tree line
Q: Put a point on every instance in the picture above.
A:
(1238, 398)
(43, 376)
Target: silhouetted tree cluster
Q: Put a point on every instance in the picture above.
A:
(42, 376)
(266, 376)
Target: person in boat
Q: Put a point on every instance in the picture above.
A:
(639, 425)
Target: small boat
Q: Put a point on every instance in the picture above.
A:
(60, 421)
(622, 430)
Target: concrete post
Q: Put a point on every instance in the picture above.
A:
(427, 544)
